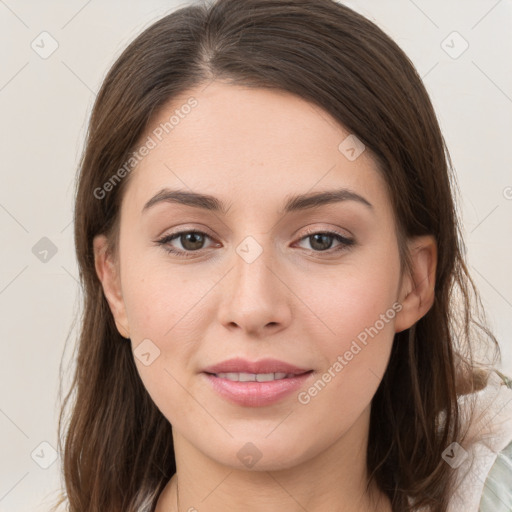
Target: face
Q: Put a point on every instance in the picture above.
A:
(317, 287)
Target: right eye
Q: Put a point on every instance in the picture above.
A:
(191, 242)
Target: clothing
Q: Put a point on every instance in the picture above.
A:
(484, 478)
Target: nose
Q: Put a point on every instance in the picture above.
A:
(255, 296)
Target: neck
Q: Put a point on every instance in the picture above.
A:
(335, 479)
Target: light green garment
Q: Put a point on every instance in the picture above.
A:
(497, 492)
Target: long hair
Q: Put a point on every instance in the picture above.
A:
(116, 445)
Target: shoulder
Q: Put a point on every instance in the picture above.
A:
(497, 492)
(483, 480)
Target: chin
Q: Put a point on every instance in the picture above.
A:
(257, 455)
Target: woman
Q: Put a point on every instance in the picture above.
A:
(277, 311)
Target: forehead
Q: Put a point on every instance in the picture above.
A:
(257, 145)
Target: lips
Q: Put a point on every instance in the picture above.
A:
(256, 384)
(263, 366)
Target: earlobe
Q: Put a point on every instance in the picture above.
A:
(417, 293)
(108, 275)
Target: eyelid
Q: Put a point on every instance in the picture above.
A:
(334, 231)
(345, 233)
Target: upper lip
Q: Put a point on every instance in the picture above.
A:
(239, 365)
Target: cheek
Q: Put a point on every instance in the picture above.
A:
(356, 298)
(157, 297)
(357, 312)
(361, 303)
(159, 313)
(165, 311)
(355, 355)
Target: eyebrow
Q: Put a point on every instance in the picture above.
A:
(293, 203)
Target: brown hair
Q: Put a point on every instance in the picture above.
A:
(118, 452)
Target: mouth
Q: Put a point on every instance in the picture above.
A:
(256, 377)
(264, 368)
(256, 389)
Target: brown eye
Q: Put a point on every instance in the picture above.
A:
(191, 241)
(322, 241)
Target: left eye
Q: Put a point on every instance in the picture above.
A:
(192, 241)
(320, 239)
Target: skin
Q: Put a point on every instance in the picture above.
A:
(252, 148)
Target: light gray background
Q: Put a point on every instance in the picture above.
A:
(45, 104)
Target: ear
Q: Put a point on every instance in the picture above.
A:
(417, 291)
(108, 274)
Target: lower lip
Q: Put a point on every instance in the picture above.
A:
(257, 394)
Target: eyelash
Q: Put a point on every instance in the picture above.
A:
(345, 242)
